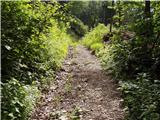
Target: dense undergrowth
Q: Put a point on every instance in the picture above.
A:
(34, 45)
(134, 63)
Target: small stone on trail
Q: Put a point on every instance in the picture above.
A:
(63, 117)
(85, 79)
(79, 87)
(67, 63)
(53, 87)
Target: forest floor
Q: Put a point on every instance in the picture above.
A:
(81, 91)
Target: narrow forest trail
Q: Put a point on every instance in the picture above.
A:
(81, 91)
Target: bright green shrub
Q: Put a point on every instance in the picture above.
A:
(95, 36)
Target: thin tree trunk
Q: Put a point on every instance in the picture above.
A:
(148, 21)
(147, 9)
(119, 13)
(111, 20)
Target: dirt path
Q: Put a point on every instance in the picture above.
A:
(81, 91)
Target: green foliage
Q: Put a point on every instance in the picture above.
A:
(95, 37)
(115, 58)
(34, 45)
(75, 114)
(96, 47)
(74, 25)
(126, 17)
(79, 28)
(18, 100)
(156, 20)
(142, 98)
(129, 61)
(91, 13)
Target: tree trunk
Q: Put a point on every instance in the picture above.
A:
(148, 20)
(111, 20)
(147, 9)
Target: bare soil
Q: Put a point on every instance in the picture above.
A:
(81, 91)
